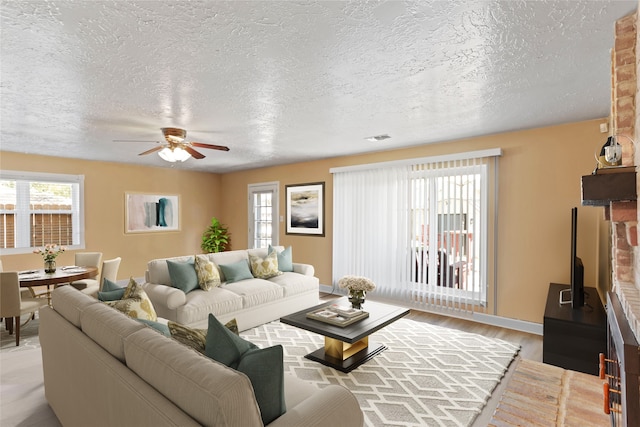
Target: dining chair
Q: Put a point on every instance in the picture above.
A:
(13, 305)
(110, 270)
(88, 259)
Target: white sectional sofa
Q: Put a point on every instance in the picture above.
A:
(251, 302)
(102, 368)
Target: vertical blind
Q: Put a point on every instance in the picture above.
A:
(418, 229)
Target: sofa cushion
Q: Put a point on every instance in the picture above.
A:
(135, 303)
(110, 291)
(158, 271)
(255, 292)
(70, 302)
(264, 268)
(211, 393)
(264, 367)
(294, 283)
(108, 328)
(200, 303)
(285, 258)
(236, 271)
(194, 337)
(183, 275)
(223, 345)
(207, 273)
(228, 257)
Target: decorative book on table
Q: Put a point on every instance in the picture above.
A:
(339, 316)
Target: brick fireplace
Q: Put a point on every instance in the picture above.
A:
(625, 121)
(622, 366)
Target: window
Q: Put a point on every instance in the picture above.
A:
(263, 215)
(417, 228)
(38, 209)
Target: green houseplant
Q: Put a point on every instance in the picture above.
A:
(215, 238)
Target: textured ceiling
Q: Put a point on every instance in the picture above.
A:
(282, 81)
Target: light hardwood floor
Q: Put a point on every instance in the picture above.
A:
(530, 348)
(530, 344)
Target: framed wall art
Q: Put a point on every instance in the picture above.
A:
(305, 209)
(151, 212)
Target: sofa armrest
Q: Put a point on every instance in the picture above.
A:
(306, 269)
(166, 296)
(332, 406)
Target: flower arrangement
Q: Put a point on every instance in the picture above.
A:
(358, 287)
(356, 283)
(50, 252)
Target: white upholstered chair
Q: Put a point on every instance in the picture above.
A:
(110, 270)
(88, 259)
(12, 305)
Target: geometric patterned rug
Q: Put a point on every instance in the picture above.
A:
(428, 376)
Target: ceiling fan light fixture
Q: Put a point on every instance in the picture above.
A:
(176, 154)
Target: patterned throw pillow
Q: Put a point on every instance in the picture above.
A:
(195, 338)
(285, 258)
(207, 272)
(135, 303)
(265, 268)
(191, 337)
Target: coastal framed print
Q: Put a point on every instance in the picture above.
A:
(305, 209)
(151, 212)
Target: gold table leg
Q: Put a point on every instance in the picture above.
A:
(343, 350)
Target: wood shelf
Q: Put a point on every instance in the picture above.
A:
(609, 185)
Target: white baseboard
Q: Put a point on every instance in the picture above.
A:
(487, 319)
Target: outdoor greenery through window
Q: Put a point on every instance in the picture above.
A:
(40, 209)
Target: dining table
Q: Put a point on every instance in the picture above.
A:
(62, 275)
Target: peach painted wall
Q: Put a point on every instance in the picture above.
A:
(105, 185)
(539, 180)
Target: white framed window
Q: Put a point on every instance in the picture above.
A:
(40, 208)
(263, 214)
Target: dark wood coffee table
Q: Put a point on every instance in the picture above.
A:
(346, 348)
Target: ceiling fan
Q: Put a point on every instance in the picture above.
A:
(177, 148)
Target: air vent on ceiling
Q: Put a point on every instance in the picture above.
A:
(377, 138)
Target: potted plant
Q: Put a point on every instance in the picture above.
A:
(215, 238)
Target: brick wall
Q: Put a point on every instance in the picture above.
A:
(625, 122)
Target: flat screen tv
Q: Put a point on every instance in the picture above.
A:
(577, 269)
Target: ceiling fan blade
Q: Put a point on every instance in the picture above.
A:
(211, 146)
(153, 150)
(132, 140)
(193, 152)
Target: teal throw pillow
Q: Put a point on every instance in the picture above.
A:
(110, 291)
(223, 345)
(160, 327)
(285, 258)
(263, 367)
(265, 370)
(236, 271)
(183, 275)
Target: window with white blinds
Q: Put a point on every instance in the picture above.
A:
(418, 229)
(38, 209)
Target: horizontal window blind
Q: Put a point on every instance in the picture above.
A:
(38, 209)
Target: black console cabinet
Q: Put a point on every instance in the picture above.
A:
(573, 338)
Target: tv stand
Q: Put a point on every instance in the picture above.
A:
(574, 337)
